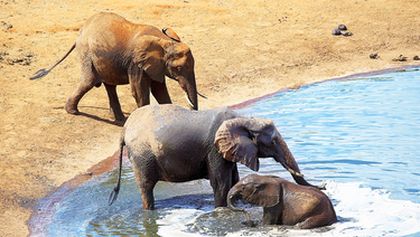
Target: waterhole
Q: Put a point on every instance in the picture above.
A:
(360, 136)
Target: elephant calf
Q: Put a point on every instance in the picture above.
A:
(284, 203)
(170, 143)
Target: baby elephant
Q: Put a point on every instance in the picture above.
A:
(284, 203)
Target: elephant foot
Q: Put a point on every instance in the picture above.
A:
(119, 119)
(71, 109)
(120, 122)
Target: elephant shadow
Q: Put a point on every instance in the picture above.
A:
(104, 120)
(204, 202)
(97, 118)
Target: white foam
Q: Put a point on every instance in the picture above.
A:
(174, 224)
(372, 212)
(362, 212)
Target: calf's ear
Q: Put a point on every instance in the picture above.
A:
(267, 195)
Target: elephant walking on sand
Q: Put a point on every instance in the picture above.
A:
(170, 143)
(114, 51)
(284, 203)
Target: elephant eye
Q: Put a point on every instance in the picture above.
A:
(259, 186)
(179, 68)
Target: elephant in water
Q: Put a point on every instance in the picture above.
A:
(170, 143)
(284, 203)
(114, 51)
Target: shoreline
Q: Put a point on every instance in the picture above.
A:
(338, 78)
(39, 218)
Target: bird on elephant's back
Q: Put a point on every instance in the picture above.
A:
(170, 143)
(115, 51)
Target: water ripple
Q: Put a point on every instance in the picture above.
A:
(343, 161)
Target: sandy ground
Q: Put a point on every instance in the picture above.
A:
(243, 49)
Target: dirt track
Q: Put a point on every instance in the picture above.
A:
(242, 49)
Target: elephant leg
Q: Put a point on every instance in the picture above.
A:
(235, 175)
(272, 215)
(140, 87)
(221, 182)
(160, 92)
(88, 81)
(309, 223)
(147, 175)
(114, 103)
(315, 221)
(147, 195)
(146, 188)
(220, 190)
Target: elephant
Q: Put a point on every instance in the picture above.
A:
(170, 143)
(283, 202)
(114, 51)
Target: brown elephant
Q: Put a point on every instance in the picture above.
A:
(284, 203)
(170, 143)
(114, 51)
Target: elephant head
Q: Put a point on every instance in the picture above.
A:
(244, 140)
(263, 191)
(159, 57)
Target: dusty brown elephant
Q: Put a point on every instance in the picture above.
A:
(114, 51)
(170, 143)
(284, 203)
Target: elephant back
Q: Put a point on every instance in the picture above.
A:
(169, 123)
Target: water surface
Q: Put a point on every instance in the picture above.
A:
(359, 136)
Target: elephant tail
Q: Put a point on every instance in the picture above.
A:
(44, 71)
(114, 194)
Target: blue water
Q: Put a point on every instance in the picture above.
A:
(365, 130)
(360, 136)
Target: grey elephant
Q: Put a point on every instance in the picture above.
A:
(114, 51)
(284, 203)
(170, 143)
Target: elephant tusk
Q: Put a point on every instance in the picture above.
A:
(189, 101)
(294, 172)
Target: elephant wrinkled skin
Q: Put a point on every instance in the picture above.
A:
(114, 51)
(284, 203)
(170, 143)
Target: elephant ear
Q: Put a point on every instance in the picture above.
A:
(149, 57)
(266, 195)
(235, 139)
(171, 34)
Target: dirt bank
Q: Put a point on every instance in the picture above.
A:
(243, 49)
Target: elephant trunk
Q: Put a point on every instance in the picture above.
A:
(192, 97)
(190, 87)
(288, 161)
(233, 196)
